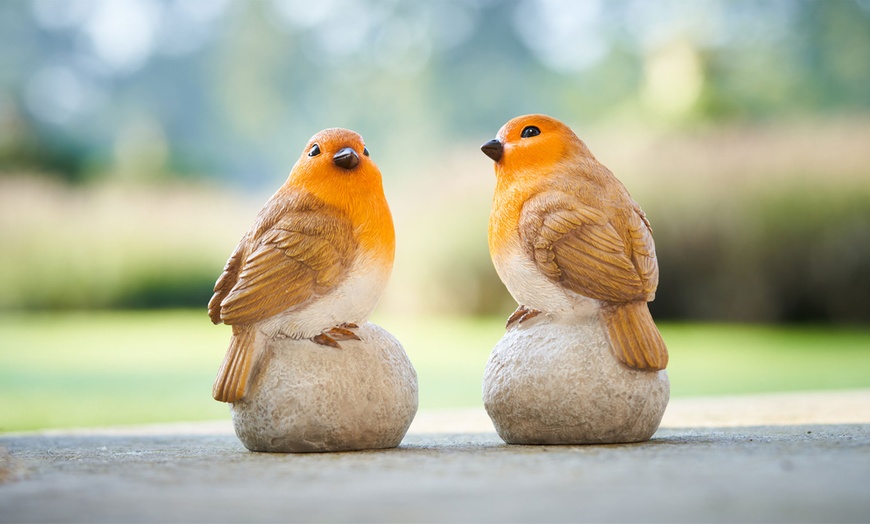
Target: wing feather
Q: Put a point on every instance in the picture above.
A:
(593, 254)
(299, 249)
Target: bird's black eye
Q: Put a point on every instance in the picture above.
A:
(530, 131)
(366, 151)
(314, 151)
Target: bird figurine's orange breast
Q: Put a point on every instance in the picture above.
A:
(315, 262)
(567, 239)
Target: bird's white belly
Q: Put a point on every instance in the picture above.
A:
(351, 302)
(531, 288)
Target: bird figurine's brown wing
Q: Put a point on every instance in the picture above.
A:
(608, 258)
(643, 249)
(227, 280)
(304, 253)
(583, 250)
(298, 250)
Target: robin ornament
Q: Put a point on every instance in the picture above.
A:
(582, 360)
(305, 371)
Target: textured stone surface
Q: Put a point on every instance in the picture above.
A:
(308, 397)
(551, 383)
(747, 474)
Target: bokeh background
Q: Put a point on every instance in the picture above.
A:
(138, 139)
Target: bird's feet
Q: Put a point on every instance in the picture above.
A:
(521, 314)
(331, 336)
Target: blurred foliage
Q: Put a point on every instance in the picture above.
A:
(786, 256)
(113, 245)
(232, 89)
(770, 230)
(139, 137)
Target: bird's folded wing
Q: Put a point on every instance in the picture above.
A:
(226, 281)
(303, 254)
(643, 249)
(585, 251)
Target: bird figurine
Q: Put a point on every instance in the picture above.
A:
(568, 241)
(314, 264)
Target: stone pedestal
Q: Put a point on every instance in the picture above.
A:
(307, 397)
(551, 383)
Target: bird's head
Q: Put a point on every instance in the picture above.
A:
(335, 151)
(335, 164)
(531, 145)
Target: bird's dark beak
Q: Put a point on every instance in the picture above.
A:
(346, 158)
(493, 149)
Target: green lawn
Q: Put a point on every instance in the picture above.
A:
(89, 369)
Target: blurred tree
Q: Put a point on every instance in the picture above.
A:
(145, 92)
(236, 85)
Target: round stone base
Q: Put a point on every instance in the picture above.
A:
(550, 383)
(308, 398)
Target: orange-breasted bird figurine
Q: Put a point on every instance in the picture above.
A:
(568, 241)
(314, 264)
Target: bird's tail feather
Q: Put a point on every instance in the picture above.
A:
(635, 339)
(231, 383)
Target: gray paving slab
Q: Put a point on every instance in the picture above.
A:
(757, 473)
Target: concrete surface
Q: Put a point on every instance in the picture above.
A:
(774, 458)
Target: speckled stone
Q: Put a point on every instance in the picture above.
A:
(307, 397)
(555, 383)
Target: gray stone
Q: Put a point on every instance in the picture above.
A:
(555, 383)
(307, 397)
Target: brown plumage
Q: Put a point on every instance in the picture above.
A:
(567, 239)
(299, 245)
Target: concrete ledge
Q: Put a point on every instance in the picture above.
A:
(794, 457)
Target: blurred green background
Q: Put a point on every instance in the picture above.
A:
(138, 139)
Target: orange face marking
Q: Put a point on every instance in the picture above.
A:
(358, 191)
(525, 166)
